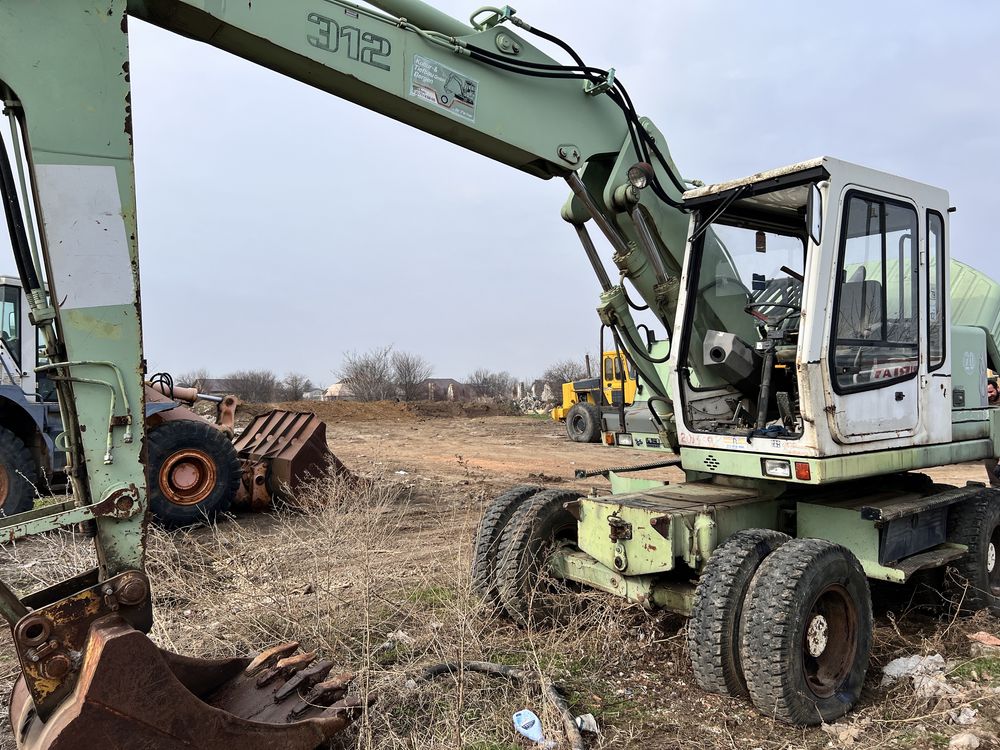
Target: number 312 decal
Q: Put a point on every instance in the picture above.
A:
(363, 46)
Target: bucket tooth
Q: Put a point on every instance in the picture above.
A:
(285, 668)
(304, 680)
(267, 659)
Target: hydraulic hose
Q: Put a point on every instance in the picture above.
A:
(15, 223)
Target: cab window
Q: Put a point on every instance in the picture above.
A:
(876, 321)
(935, 290)
(10, 320)
(608, 372)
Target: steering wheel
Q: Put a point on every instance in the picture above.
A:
(750, 310)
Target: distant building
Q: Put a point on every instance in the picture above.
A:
(338, 392)
(213, 386)
(446, 389)
(314, 395)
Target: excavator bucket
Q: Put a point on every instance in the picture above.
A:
(89, 672)
(279, 450)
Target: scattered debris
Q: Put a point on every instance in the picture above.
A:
(985, 638)
(926, 673)
(984, 644)
(548, 689)
(845, 734)
(528, 725)
(587, 723)
(964, 741)
(965, 716)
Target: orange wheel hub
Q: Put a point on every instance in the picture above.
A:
(187, 477)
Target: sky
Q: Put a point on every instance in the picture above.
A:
(280, 227)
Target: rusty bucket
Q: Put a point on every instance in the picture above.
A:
(107, 685)
(279, 451)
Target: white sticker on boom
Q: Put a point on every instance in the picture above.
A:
(444, 87)
(86, 235)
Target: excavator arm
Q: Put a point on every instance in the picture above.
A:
(69, 200)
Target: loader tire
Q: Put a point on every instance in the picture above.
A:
(976, 524)
(807, 632)
(714, 627)
(538, 527)
(193, 472)
(18, 474)
(484, 557)
(583, 423)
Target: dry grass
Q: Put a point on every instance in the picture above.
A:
(377, 579)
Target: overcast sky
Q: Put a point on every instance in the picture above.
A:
(280, 227)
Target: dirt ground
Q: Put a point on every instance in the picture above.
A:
(381, 584)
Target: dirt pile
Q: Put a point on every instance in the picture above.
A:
(368, 411)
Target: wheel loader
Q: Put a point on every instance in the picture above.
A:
(194, 468)
(819, 348)
(585, 402)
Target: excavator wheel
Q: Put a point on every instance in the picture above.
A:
(491, 527)
(583, 423)
(18, 474)
(538, 527)
(193, 472)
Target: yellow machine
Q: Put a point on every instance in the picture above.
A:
(585, 401)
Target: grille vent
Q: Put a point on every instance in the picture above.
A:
(712, 463)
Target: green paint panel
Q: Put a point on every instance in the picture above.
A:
(845, 526)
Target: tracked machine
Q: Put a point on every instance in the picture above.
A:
(811, 360)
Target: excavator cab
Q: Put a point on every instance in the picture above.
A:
(809, 323)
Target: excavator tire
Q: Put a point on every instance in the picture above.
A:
(583, 423)
(495, 518)
(18, 474)
(976, 524)
(193, 472)
(536, 529)
(714, 627)
(807, 632)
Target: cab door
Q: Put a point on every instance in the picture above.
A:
(876, 322)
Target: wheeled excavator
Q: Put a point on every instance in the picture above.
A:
(815, 354)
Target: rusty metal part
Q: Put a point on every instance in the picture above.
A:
(304, 680)
(292, 447)
(4, 485)
(225, 415)
(130, 694)
(285, 668)
(253, 493)
(50, 639)
(187, 476)
(177, 413)
(270, 657)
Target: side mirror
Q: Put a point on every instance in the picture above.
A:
(814, 214)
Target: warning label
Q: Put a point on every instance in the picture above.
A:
(443, 87)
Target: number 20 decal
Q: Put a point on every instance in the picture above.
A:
(359, 45)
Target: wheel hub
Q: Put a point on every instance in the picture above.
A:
(187, 477)
(830, 640)
(991, 558)
(817, 636)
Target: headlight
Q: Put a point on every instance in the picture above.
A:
(624, 438)
(639, 175)
(776, 467)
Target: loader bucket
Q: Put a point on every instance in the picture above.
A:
(131, 694)
(279, 450)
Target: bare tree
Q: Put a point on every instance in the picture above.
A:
(192, 377)
(253, 385)
(408, 371)
(293, 385)
(492, 384)
(369, 375)
(565, 371)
